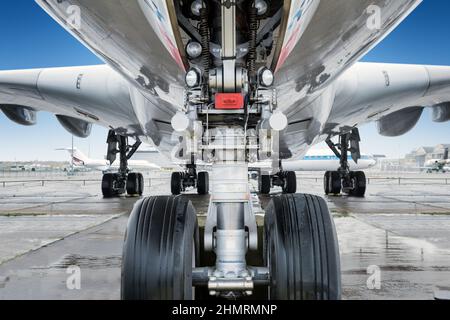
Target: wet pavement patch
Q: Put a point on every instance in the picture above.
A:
(403, 232)
(87, 262)
(3, 281)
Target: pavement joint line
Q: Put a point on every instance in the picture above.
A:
(51, 204)
(114, 217)
(394, 233)
(414, 202)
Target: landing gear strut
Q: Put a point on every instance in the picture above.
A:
(116, 184)
(349, 182)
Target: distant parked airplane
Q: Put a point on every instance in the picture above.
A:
(81, 160)
(438, 165)
(326, 160)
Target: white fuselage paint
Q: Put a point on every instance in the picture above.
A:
(323, 160)
(437, 162)
(80, 160)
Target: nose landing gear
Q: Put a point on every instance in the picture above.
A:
(160, 250)
(302, 249)
(300, 245)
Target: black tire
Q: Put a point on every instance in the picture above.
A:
(108, 185)
(133, 184)
(326, 182)
(302, 250)
(335, 183)
(203, 183)
(175, 183)
(264, 184)
(290, 182)
(160, 250)
(360, 182)
(141, 184)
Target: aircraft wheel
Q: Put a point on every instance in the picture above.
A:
(203, 183)
(264, 184)
(175, 183)
(160, 250)
(133, 184)
(326, 182)
(335, 183)
(302, 250)
(108, 185)
(290, 182)
(360, 182)
(141, 184)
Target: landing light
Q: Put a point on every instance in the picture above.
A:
(196, 6)
(261, 6)
(194, 50)
(266, 77)
(193, 78)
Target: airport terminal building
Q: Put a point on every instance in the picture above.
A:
(421, 155)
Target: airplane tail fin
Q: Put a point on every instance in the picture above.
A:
(78, 157)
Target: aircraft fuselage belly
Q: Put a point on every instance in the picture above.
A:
(322, 40)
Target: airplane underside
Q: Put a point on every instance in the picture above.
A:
(231, 118)
(227, 83)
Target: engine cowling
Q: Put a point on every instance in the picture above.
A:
(441, 112)
(21, 115)
(77, 127)
(400, 122)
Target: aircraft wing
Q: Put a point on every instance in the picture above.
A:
(78, 96)
(393, 95)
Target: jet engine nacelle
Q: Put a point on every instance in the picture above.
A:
(400, 122)
(77, 127)
(441, 112)
(21, 115)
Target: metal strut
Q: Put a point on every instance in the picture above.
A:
(348, 142)
(118, 144)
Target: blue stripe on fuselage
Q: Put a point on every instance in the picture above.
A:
(315, 158)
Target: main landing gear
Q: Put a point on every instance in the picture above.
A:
(344, 180)
(181, 181)
(116, 184)
(287, 180)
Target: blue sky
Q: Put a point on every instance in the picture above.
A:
(31, 39)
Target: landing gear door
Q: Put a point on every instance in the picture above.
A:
(354, 145)
(111, 154)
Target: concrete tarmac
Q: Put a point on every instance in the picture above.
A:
(395, 242)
